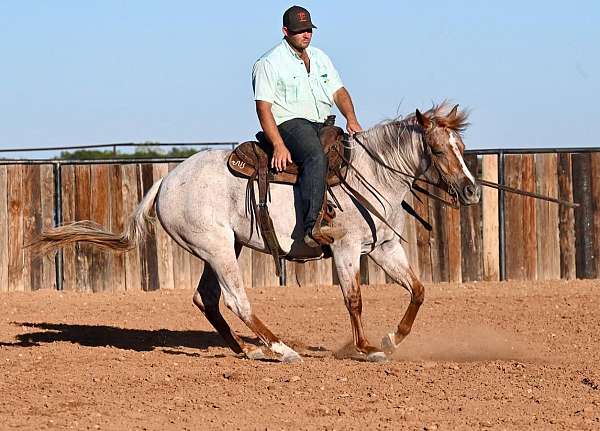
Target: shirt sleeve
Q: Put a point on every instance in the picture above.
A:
(264, 81)
(334, 82)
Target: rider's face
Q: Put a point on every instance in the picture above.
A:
(299, 40)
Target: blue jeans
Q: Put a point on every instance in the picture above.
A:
(301, 137)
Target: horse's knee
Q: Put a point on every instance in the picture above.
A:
(238, 306)
(417, 291)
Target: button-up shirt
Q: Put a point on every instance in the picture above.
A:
(280, 78)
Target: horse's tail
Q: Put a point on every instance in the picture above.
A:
(92, 233)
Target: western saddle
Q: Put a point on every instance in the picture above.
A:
(252, 159)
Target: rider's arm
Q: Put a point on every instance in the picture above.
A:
(281, 155)
(344, 103)
(264, 79)
(267, 123)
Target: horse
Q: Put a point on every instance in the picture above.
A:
(203, 207)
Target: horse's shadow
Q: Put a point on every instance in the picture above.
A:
(140, 340)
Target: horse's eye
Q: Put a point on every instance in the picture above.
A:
(437, 152)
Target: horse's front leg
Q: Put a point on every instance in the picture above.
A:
(392, 258)
(347, 262)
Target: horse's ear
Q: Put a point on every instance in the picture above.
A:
(423, 121)
(454, 111)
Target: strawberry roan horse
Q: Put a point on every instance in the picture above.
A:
(202, 207)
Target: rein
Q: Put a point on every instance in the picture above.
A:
(454, 203)
(415, 187)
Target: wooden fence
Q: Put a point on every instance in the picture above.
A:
(542, 241)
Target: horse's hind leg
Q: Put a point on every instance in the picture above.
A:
(392, 259)
(347, 262)
(206, 298)
(223, 262)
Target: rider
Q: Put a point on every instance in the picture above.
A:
(295, 86)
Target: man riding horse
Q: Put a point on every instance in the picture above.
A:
(295, 86)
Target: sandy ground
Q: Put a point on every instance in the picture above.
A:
(481, 356)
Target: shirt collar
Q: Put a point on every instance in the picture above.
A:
(292, 51)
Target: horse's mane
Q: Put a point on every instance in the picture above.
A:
(397, 140)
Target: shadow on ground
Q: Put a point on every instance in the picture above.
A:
(121, 338)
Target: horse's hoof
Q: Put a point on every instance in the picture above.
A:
(256, 354)
(388, 343)
(291, 357)
(377, 357)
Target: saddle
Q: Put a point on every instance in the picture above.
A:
(252, 160)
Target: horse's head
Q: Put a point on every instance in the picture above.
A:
(446, 166)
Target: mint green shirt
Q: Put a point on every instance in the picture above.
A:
(280, 78)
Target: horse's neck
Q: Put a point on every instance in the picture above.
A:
(409, 162)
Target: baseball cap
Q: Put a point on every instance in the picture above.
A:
(297, 19)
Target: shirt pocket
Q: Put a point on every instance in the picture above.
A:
(292, 90)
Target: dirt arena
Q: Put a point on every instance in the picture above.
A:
(481, 356)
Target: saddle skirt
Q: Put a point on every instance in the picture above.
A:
(246, 158)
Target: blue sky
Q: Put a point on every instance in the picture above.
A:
(98, 72)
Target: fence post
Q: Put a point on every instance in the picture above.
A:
(58, 219)
(501, 219)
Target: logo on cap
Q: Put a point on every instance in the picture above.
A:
(301, 16)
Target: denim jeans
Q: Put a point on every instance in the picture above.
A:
(301, 137)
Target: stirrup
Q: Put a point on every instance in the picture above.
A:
(324, 235)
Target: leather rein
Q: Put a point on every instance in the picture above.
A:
(442, 184)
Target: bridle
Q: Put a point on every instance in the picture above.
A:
(443, 182)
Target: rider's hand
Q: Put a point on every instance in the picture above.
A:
(281, 157)
(353, 127)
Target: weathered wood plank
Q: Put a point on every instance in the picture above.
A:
(409, 233)
(548, 246)
(423, 238)
(325, 271)
(566, 217)
(245, 263)
(149, 260)
(68, 212)
(491, 227)
(130, 192)
(335, 280)
(16, 282)
(101, 261)
(49, 262)
(513, 219)
(83, 211)
(584, 219)
(4, 214)
(295, 276)
(438, 235)
(32, 225)
(263, 270)
(529, 217)
(471, 233)
(118, 218)
(164, 245)
(454, 245)
(595, 173)
(364, 269)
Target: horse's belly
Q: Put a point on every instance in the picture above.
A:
(282, 209)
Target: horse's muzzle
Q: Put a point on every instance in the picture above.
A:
(470, 194)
